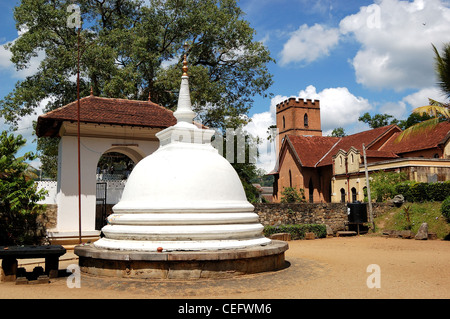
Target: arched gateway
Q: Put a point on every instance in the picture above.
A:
(106, 125)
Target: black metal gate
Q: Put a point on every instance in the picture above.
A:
(100, 207)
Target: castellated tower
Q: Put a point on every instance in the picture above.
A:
(298, 117)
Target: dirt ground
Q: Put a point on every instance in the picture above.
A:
(323, 268)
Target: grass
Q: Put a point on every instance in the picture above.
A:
(428, 212)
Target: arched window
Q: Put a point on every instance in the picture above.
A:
(311, 191)
(284, 122)
(305, 119)
(342, 195)
(353, 194)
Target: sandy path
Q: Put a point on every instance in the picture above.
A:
(323, 268)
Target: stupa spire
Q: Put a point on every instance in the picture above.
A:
(184, 111)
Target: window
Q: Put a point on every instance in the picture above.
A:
(353, 194)
(305, 119)
(342, 195)
(284, 122)
(311, 191)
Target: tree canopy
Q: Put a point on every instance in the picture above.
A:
(132, 49)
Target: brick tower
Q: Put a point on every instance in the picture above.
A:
(298, 117)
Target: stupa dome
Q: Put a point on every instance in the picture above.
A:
(187, 178)
(184, 196)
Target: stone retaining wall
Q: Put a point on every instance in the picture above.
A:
(332, 214)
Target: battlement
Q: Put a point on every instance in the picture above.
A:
(298, 102)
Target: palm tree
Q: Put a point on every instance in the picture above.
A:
(439, 111)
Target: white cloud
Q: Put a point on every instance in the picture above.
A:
(420, 98)
(8, 66)
(397, 109)
(307, 44)
(396, 38)
(338, 107)
(258, 127)
(403, 108)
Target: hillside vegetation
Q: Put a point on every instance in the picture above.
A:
(427, 212)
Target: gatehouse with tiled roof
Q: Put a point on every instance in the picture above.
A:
(107, 125)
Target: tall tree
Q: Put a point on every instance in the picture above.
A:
(133, 48)
(378, 120)
(438, 111)
(338, 132)
(19, 197)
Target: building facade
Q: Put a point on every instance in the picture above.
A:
(331, 169)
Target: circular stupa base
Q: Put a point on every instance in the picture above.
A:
(182, 264)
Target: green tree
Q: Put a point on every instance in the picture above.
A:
(378, 120)
(383, 184)
(133, 48)
(338, 132)
(438, 111)
(243, 148)
(19, 210)
(413, 119)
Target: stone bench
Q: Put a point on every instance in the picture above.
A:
(10, 254)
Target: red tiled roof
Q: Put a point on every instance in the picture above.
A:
(315, 151)
(376, 153)
(430, 138)
(112, 111)
(357, 140)
(310, 149)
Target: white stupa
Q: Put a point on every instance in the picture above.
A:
(183, 197)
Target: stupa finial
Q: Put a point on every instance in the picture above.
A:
(184, 111)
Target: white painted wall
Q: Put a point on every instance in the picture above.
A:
(114, 191)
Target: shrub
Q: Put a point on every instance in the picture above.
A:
(383, 185)
(20, 214)
(445, 208)
(297, 231)
(291, 195)
(422, 192)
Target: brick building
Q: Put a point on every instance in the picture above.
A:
(331, 169)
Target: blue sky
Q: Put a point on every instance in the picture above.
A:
(355, 56)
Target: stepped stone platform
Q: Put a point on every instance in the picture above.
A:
(182, 264)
